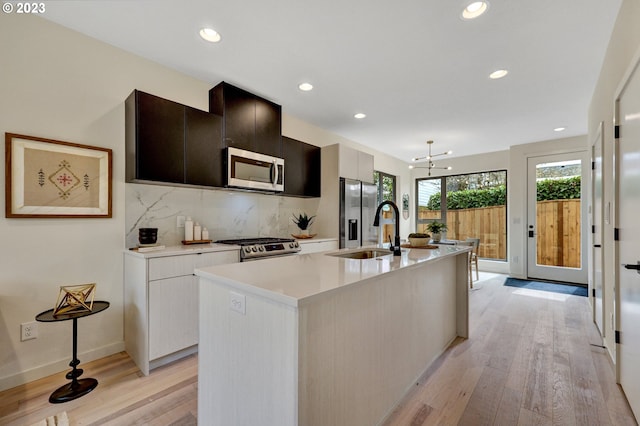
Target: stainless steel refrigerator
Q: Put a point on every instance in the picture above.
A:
(357, 210)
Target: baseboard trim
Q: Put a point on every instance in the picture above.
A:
(58, 366)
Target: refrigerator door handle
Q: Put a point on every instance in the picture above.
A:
(353, 229)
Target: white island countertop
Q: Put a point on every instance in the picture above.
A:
(295, 280)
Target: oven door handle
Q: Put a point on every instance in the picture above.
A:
(274, 173)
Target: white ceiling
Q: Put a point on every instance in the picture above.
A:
(414, 67)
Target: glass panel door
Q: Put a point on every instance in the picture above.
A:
(556, 213)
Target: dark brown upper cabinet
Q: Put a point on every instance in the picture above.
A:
(203, 148)
(171, 143)
(301, 168)
(248, 121)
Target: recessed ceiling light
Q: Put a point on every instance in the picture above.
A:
(498, 74)
(305, 87)
(360, 115)
(559, 129)
(475, 9)
(209, 34)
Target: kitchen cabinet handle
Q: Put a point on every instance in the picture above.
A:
(274, 173)
(632, 266)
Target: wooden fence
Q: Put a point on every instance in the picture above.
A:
(486, 223)
(558, 230)
(558, 233)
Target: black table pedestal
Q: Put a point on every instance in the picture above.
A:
(73, 390)
(77, 387)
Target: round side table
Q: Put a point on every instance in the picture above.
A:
(76, 388)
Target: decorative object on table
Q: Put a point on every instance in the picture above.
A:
(75, 298)
(188, 229)
(76, 388)
(430, 164)
(191, 242)
(405, 206)
(418, 239)
(147, 236)
(49, 178)
(197, 232)
(303, 237)
(303, 222)
(436, 228)
(426, 246)
(144, 249)
(205, 234)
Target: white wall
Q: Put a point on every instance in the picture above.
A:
(298, 129)
(517, 193)
(514, 161)
(58, 84)
(498, 160)
(623, 47)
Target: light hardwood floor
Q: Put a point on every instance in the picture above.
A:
(530, 361)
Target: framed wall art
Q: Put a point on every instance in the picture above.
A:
(49, 178)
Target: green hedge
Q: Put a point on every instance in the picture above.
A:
(559, 189)
(548, 189)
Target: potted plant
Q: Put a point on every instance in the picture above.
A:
(436, 228)
(303, 222)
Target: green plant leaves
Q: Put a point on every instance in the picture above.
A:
(547, 189)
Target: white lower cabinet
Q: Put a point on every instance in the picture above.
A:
(161, 304)
(307, 247)
(173, 315)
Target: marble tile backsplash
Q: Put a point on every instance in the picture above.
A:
(226, 214)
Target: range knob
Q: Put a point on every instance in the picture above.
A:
(291, 245)
(254, 249)
(260, 248)
(247, 249)
(295, 243)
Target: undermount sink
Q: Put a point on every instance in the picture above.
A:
(363, 254)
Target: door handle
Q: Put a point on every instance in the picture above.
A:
(597, 245)
(531, 234)
(632, 266)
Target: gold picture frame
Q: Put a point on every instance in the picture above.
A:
(56, 179)
(75, 298)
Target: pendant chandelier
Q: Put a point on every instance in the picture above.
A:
(429, 158)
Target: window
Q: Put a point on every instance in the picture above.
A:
(473, 205)
(386, 184)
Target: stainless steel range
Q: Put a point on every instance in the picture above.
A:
(260, 248)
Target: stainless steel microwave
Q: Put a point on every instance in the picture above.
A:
(251, 170)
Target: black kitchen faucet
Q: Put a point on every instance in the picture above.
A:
(376, 222)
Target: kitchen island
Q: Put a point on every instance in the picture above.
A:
(317, 339)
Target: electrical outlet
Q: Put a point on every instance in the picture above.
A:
(180, 221)
(238, 302)
(28, 331)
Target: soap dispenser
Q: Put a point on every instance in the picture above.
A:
(188, 229)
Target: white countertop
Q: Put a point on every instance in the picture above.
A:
(293, 280)
(183, 249)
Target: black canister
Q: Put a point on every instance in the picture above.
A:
(148, 235)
